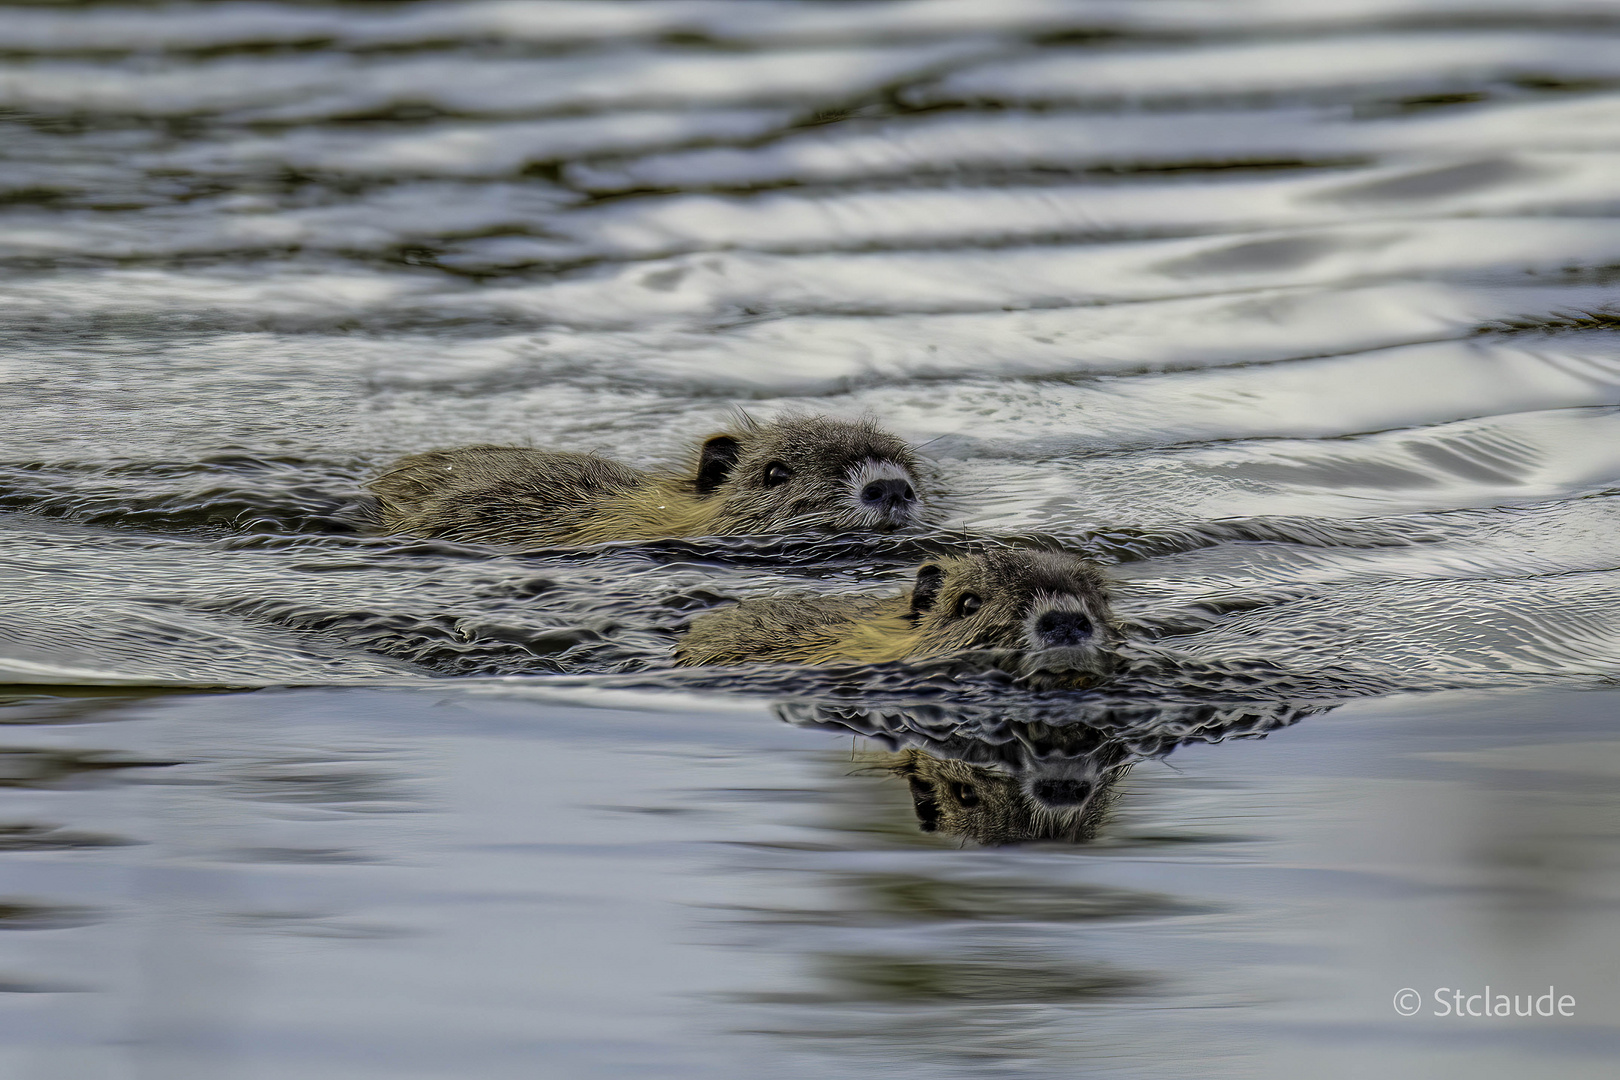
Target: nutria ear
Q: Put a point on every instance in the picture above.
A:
(715, 463)
(930, 579)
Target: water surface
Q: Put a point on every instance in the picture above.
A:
(1300, 318)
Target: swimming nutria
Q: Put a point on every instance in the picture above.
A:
(1001, 598)
(792, 473)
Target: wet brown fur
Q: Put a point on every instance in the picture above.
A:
(924, 621)
(517, 495)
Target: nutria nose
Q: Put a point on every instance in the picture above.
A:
(1057, 629)
(1061, 792)
(890, 493)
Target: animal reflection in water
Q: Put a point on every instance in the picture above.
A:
(1062, 797)
(1007, 776)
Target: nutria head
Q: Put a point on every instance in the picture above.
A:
(1012, 598)
(808, 472)
(1062, 798)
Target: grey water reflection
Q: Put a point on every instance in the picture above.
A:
(1296, 878)
(387, 883)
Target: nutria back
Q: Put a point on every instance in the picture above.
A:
(799, 628)
(500, 494)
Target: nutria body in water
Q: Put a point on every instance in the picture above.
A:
(1005, 598)
(791, 474)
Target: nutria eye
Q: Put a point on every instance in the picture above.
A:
(963, 794)
(777, 474)
(969, 604)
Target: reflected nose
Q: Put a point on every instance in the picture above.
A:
(1059, 629)
(926, 804)
(889, 495)
(1061, 792)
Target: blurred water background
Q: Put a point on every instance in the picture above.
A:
(1301, 317)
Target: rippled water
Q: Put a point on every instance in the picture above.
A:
(1302, 318)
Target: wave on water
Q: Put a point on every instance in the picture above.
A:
(1299, 318)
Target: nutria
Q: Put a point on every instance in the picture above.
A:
(792, 473)
(1001, 598)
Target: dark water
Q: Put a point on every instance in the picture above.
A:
(1300, 317)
